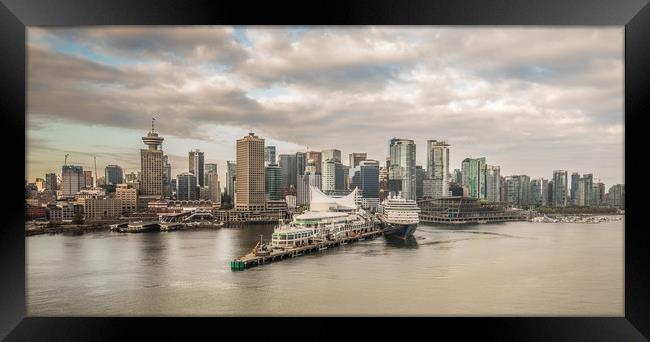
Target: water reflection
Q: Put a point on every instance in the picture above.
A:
(396, 242)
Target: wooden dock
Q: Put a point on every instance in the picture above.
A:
(252, 259)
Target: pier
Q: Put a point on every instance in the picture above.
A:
(257, 257)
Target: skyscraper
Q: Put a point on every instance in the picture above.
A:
(196, 166)
(187, 187)
(88, 179)
(575, 178)
(369, 171)
(301, 163)
(212, 183)
(151, 163)
(332, 154)
(113, 175)
(476, 177)
(273, 182)
(559, 188)
(438, 167)
(402, 167)
(332, 178)
(167, 177)
(310, 177)
(464, 167)
(493, 183)
(269, 155)
(518, 193)
(289, 169)
(317, 158)
(72, 180)
(50, 182)
(539, 192)
(616, 196)
(420, 175)
(250, 174)
(231, 177)
(356, 158)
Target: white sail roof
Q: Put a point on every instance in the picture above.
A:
(321, 202)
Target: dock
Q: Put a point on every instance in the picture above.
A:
(255, 258)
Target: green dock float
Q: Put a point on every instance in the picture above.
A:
(237, 265)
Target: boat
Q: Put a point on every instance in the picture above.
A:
(142, 226)
(399, 217)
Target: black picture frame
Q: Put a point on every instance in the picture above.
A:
(15, 15)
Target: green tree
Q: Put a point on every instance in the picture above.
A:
(77, 219)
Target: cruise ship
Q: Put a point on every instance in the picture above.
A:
(399, 217)
(328, 219)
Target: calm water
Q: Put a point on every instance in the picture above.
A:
(516, 268)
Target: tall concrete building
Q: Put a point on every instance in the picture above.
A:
(493, 183)
(301, 163)
(128, 197)
(188, 189)
(331, 154)
(438, 168)
(51, 182)
(88, 179)
(518, 193)
(560, 188)
(167, 177)
(212, 183)
(420, 176)
(197, 166)
(575, 178)
(309, 178)
(269, 155)
(317, 158)
(151, 163)
(458, 177)
(539, 192)
(231, 177)
(72, 180)
(273, 182)
(113, 174)
(289, 169)
(356, 158)
(616, 196)
(250, 185)
(474, 171)
(332, 178)
(369, 172)
(402, 167)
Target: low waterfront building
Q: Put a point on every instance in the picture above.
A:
(35, 213)
(102, 208)
(461, 210)
(128, 197)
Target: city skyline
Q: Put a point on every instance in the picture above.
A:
(530, 111)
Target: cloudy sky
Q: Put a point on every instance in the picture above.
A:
(530, 99)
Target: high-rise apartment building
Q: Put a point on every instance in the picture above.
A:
(309, 178)
(196, 160)
(369, 172)
(301, 163)
(356, 158)
(289, 170)
(51, 182)
(539, 192)
(273, 182)
(113, 175)
(493, 183)
(188, 189)
(88, 179)
(231, 177)
(72, 180)
(331, 154)
(402, 167)
(616, 196)
(575, 178)
(438, 167)
(475, 172)
(212, 183)
(560, 188)
(332, 178)
(420, 176)
(518, 193)
(269, 155)
(249, 187)
(317, 158)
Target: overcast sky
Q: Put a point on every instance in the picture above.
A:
(530, 99)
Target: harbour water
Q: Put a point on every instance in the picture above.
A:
(507, 269)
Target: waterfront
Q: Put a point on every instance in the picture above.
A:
(515, 268)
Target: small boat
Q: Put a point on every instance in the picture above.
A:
(322, 248)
